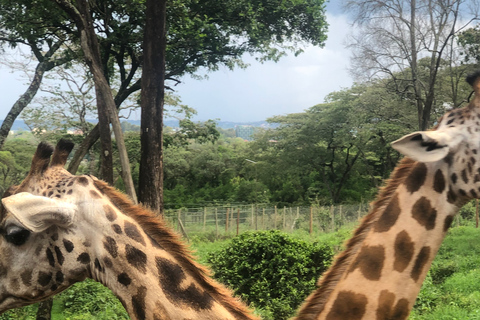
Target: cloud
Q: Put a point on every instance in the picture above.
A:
(264, 90)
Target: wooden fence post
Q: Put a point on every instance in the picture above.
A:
(179, 213)
(284, 214)
(311, 220)
(238, 219)
(216, 223)
(263, 219)
(253, 220)
(275, 218)
(226, 221)
(332, 214)
(183, 230)
(204, 218)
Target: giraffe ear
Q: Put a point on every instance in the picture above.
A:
(37, 213)
(427, 146)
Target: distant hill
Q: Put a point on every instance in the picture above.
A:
(20, 124)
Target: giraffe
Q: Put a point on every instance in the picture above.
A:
(57, 229)
(380, 273)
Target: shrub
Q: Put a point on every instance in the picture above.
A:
(90, 300)
(271, 270)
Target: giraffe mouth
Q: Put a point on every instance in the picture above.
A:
(10, 301)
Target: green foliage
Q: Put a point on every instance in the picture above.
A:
(451, 289)
(90, 300)
(15, 159)
(271, 270)
(25, 313)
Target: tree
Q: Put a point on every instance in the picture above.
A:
(393, 36)
(63, 111)
(54, 56)
(201, 34)
(152, 101)
(107, 110)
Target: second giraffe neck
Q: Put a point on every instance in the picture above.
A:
(381, 272)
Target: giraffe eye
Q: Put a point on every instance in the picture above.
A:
(16, 235)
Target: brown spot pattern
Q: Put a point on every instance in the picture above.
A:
(389, 216)
(439, 181)
(348, 305)
(404, 249)
(26, 277)
(416, 178)
(94, 194)
(420, 262)
(136, 258)
(132, 232)
(171, 276)
(453, 177)
(68, 245)
(111, 246)
(451, 196)
(423, 212)
(464, 176)
(83, 181)
(59, 254)
(447, 223)
(109, 213)
(124, 279)
(116, 228)
(138, 303)
(84, 258)
(50, 258)
(370, 261)
(44, 278)
(386, 310)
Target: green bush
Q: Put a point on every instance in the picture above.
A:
(89, 300)
(271, 270)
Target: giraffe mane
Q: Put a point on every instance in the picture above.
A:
(315, 303)
(156, 228)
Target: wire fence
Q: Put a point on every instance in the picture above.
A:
(220, 221)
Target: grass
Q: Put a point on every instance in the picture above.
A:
(452, 287)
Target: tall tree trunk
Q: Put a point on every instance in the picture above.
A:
(152, 100)
(45, 310)
(105, 102)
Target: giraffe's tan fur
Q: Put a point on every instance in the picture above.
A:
(315, 303)
(85, 228)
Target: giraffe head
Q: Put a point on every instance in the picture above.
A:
(454, 141)
(36, 220)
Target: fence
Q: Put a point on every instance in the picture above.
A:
(227, 220)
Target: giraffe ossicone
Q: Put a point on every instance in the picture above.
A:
(380, 273)
(57, 229)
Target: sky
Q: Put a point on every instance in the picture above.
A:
(291, 85)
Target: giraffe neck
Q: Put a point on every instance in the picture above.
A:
(152, 273)
(381, 272)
